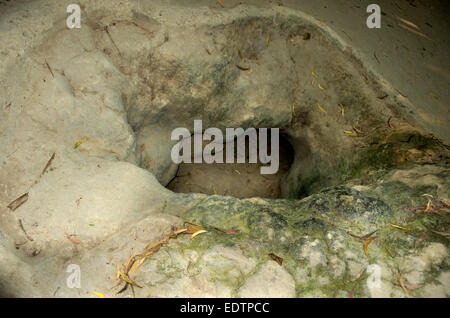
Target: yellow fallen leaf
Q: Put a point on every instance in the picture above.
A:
(428, 206)
(348, 36)
(314, 74)
(399, 227)
(125, 277)
(128, 280)
(409, 23)
(366, 243)
(342, 109)
(359, 274)
(237, 171)
(99, 295)
(152, 245)
(321, 108)
(348, 132)
(175, 233)
(118, 271)
(197, 233)
(137, 264)
(427, 195)
(221, 3)
(78, 143)
(192, 228)
(268, 40)
(293, 109)
(320, 86)
(240, 52)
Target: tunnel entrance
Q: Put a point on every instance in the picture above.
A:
(241, 180)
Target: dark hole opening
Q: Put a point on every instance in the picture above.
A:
(241, 180)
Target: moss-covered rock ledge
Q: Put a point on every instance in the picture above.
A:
(316, 238)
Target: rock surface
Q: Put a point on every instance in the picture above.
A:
(104, 99)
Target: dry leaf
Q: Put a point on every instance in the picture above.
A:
(229, 232)
(348, 35)
(400, 280)
(276, 258)
(441, 233)
(342, 109)
(131, 261)
(18, 202)
(428, 207)
(242, 68)
(321, 108)
(221, 3)
(413, 31)
(138, 264)
(409, 23)
(73, 239)
(389, 122)
(364, 237)
(366, 244)
(126, 278)
(407, 286)
(49, 162)
(359, 274)
(192, 228)
(399, 227)
(358, 131)
(240, 52)
(78, 143)
(197, 233)
(99, 295)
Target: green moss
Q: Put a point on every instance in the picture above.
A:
(384, 151)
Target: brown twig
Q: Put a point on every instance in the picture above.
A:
(25, 232)
(242, 68)
(49, 68)
(110, 37)
(49, 162)
(18, 202)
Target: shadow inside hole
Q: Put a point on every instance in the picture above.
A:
(241, 180)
